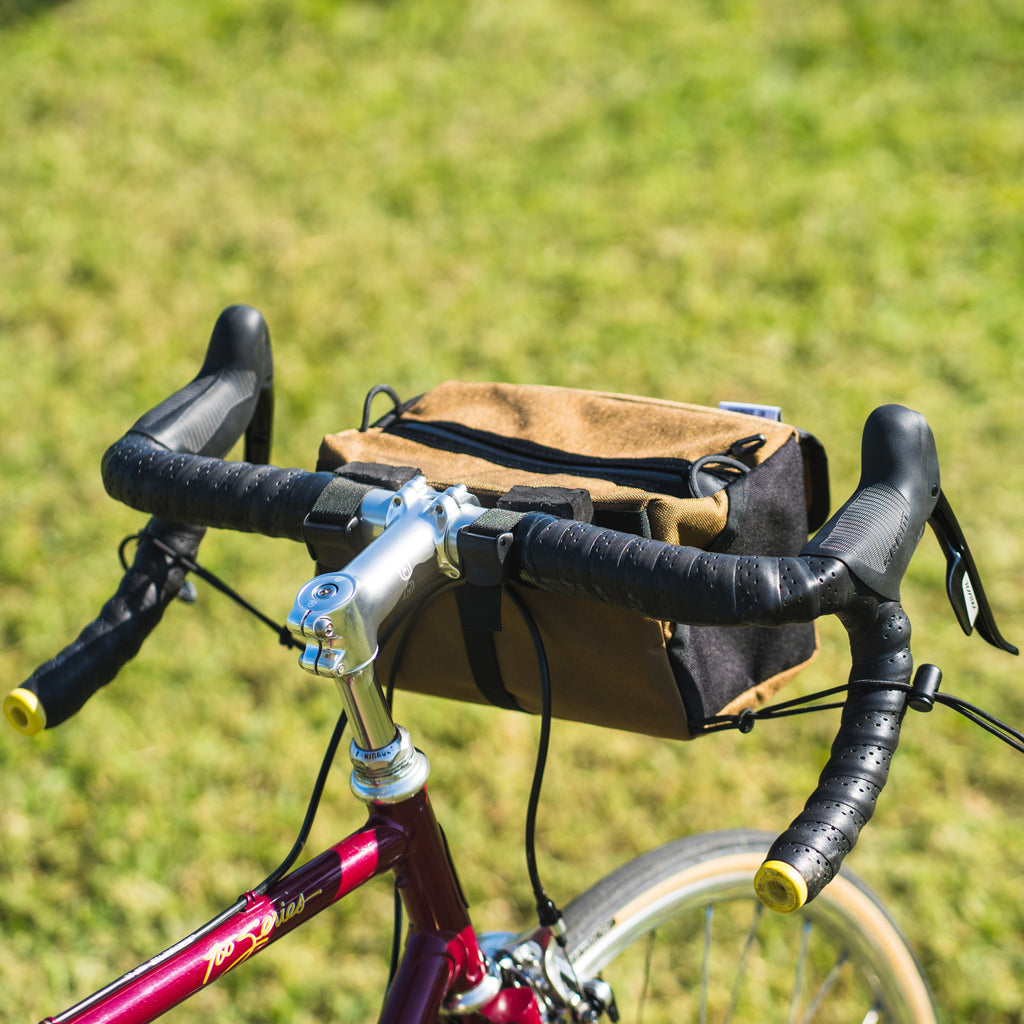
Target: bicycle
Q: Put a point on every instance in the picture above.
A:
(844, 954)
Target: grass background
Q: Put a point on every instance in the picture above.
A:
(819, 206)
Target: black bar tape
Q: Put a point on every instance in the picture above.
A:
(209, 492)
(66, 682)
(874, 535)
(673, 583)
(169, 464)
(858, 765)
(844, 799)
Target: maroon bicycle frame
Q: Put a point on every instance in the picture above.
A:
(441, 955)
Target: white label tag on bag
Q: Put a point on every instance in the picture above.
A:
(766, 412)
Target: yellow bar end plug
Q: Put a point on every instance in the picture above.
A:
(24, 712)
(780, 887)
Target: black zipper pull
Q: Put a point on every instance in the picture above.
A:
(746, 446)
(711, 473)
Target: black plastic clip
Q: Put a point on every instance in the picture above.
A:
(746, 720)
(482, 563)
(926, 685)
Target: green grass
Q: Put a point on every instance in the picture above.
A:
(819, 206)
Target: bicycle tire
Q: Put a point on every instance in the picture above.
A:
(810, 966)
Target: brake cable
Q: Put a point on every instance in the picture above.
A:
(922, 696)
(311, 809)
(283, 635)
(547, 912)
(286, 640)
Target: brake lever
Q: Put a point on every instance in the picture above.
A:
(963, 582)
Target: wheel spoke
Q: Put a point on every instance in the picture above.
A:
(839, 960)
(741, 967)
(826, 987)
(798, 974)
(705, 964)
(647, 976)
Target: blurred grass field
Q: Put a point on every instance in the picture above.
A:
(817, 206)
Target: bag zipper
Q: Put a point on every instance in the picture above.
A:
(670, 476)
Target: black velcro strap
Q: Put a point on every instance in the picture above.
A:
(480, 650)
(338, 502)
(482, 551)
(626, 520)
(326, 528)
(494, 522)
(378, 474)
(563, 502)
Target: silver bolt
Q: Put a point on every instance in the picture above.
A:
(325, 590)
(323, 628)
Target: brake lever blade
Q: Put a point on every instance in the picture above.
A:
(963, 582)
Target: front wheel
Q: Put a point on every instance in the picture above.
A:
(680, 936)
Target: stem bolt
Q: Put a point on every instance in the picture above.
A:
(323, 628)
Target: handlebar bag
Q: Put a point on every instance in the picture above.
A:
(713, 479)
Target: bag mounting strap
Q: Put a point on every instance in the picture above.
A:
(483, 547)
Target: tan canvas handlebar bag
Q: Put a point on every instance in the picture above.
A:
(709, 478)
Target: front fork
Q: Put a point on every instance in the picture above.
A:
(537, 962)
(443, 969)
